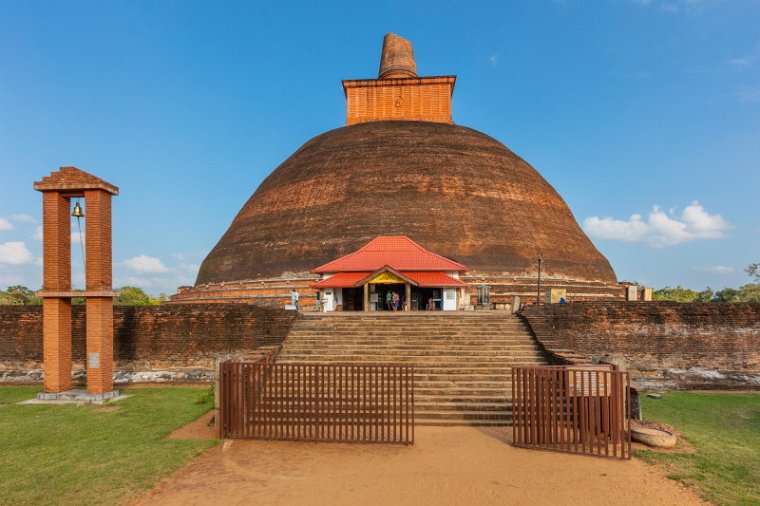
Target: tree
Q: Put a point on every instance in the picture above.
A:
(681, 294)
(19, 295)
(749, 293)
(727, 295)
(134, 296)
(754, 271)
(677, 294)
(705, 295)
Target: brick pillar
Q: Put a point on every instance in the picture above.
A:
(99, 329)
(56, 344)
(99, 345)
(98, 240)
(56, 242)
(56, 275)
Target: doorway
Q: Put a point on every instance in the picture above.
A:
(385, 290)
(353, 299)
(426, 299)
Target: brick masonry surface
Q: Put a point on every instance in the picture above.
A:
(657, 339)
(664, 343)
(187, 335)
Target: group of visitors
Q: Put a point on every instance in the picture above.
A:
(393, 301)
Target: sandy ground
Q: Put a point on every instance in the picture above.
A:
(457, 465)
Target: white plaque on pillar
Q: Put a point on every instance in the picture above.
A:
(93, 360)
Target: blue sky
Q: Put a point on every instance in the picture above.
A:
(643, 114)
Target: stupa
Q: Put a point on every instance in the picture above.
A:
(401, 167)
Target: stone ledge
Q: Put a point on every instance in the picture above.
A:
(85, 293)
(78, 396)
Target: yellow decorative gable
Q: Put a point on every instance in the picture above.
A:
(386, 278)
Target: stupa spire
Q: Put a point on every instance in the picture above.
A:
(397, 59)
(399, 94)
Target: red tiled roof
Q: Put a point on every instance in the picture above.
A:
(356, 279)
(398, 252)
(341, 280)
(436, 279)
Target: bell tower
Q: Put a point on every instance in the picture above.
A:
(57, 191)
(398, 93)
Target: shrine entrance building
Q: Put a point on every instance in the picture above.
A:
(390, 273)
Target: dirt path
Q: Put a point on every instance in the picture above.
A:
(446, 466)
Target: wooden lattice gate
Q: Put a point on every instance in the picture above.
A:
(317, 402)
(572, 409)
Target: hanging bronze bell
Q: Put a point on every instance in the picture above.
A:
(77, 213)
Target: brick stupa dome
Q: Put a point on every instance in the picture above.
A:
(450, 188)
(401, 167)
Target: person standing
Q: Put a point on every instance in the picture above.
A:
(396, 301)
(294, 298)
(388, 300)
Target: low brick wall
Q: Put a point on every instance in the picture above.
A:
(152, 337)
(666, 344)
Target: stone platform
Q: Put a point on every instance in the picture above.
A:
(78, 396)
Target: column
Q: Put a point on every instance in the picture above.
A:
(56, 329)
(366, 297)
(408, 300)
(99, 347)
(99, 355)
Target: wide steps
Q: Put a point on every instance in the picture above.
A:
(407, 344)
(413, 359)
(462, 361)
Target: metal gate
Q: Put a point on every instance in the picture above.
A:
(572, 409)
(317, 402)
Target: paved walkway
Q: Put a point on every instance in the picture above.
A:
(446, 466)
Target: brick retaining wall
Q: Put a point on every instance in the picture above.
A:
(673, 344)
(670, 344)
(150, 337)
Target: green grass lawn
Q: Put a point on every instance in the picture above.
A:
(724, 429)
(67, 454)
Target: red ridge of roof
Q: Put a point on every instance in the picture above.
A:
(434, 279)
(396, 251)
(340, 280)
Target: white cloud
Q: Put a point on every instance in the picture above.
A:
(23, 217)
(77, 239)
(191, 268)
(38, 233)
(660, 228)
(137, 281)
(670, 7)
(145, 264)
(15, 253)
(675, 6)
(718, 269)
(746, 60)
(12, 278)
(749, 94)
(5, 224)
(743, 61)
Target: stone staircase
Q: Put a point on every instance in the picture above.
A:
(462, 360)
